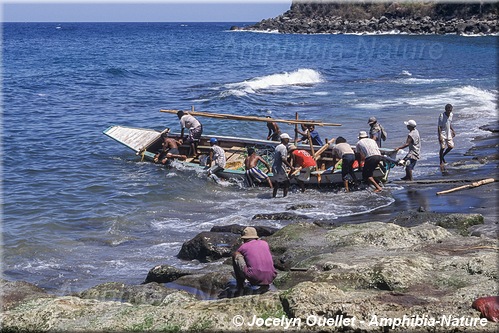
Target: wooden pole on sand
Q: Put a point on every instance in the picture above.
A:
(474, 184)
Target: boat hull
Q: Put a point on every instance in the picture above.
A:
(146, 143)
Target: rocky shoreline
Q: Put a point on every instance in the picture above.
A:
(357, 271)
(327, 18)
(413, 261)
(382, 25)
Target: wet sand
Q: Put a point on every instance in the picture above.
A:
(480, 162)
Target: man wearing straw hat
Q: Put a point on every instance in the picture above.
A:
(253, 261)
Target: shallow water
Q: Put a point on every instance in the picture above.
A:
(79, 209)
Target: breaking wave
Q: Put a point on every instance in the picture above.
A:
(300, 77)
(469, 99)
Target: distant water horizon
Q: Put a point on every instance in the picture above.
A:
(80, 209)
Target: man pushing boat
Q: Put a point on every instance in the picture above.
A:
(253, 173)
(169, 150)
(195, 131)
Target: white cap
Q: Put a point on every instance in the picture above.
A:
(362, 134)
(285, 136)
(411, 123)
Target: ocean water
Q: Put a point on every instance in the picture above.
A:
(80, 209)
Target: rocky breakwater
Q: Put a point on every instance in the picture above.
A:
(415, 18)
(368, 277)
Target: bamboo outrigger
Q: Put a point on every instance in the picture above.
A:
(147, 142)
(252, 118)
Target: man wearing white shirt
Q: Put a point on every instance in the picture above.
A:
(446, 134)
(370, 154)
(195, 130)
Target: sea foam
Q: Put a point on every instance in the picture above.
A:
(300, 77)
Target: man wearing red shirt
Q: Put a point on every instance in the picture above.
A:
(302, 159)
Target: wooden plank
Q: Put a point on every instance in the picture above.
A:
(318, 154)
(134, 138)
(252, 118)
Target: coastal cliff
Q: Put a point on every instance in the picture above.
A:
(386, 17)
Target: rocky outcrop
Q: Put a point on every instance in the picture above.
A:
(457, 222)
(15, 293)
(411, 18)
(164, 274)
(349, 276)
(209, 246)
(152, 293)
(221, 241)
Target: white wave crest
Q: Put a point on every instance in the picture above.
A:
(469, 100)
(300, 77)
(413, 80)
(406, 73)
(475, 102)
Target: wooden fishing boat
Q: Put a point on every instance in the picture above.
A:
(147, 142)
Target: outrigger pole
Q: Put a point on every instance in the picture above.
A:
(252, 118)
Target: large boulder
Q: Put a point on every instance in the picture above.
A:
(219, 242)
(384, 256)
(164, 274)
(209, 246)
(283, 216)
(296, 242)
(262, 231)
(208, 285)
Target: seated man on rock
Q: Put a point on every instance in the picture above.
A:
(253, 262)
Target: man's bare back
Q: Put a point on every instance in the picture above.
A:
(252, 161)
(170, 143)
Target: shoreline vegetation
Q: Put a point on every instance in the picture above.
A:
(359, 17)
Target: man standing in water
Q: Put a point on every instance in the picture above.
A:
(370, 154)
(342, 150)
(414, 143)
(253, 173)
(446, 134)
(280, 177)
